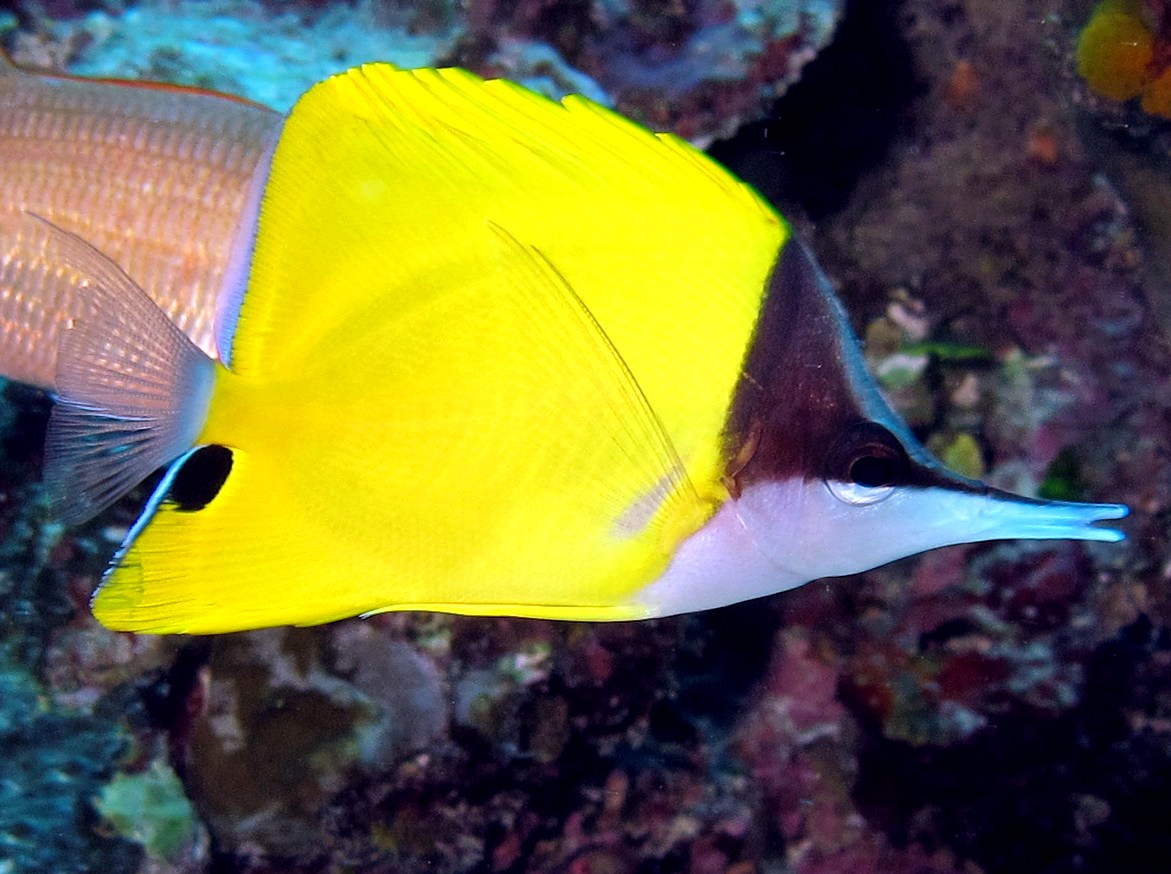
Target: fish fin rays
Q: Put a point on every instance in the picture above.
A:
(127, 388)
(481, 497)
(559, 312)
(183, 571)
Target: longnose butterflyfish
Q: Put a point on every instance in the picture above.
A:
(163, 180)
(495, 355)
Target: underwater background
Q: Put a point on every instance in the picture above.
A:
(993, 209)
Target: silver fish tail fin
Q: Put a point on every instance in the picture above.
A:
(131, 389)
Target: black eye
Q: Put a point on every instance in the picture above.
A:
(874, 470)
(865, 463)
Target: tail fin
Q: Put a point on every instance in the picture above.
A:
(131, 390)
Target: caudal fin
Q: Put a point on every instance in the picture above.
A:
(131, 389)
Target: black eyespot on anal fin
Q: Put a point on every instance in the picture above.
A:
(200, 479)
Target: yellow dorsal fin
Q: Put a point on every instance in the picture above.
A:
(405, 164)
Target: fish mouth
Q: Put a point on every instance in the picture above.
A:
(1014, 517)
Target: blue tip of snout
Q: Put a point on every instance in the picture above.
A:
(1059, 520)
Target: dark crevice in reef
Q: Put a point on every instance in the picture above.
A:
(837, 121)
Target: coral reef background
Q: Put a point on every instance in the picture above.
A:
(994, 230)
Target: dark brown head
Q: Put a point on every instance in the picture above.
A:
(825, 478)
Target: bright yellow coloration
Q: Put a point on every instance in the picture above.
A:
(482, 366)
(1114, 50)
(1115, 56)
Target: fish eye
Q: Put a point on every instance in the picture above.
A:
(865, 464)
(874, 471)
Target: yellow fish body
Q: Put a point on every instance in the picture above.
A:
(159, 178)
(497, 355)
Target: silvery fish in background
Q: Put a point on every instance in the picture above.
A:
(160, 178)
(494, 355)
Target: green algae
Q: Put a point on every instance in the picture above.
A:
(150, 808)
(1063, 479)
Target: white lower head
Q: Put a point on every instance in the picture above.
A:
(824, 478)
